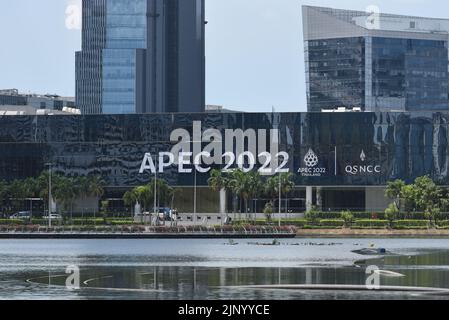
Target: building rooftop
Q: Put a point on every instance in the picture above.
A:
(29, 110)
(321, 23)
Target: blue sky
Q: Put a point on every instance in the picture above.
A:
(254, 48)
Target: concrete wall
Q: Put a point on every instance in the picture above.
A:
(88, 205)
(376, 200)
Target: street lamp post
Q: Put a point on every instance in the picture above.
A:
(280, 199)
(156, 211)
(194, 198)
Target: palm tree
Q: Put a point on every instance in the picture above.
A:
(60, 192)
(42, 187)
(164, 192)
(235, 184)
(3, 193)
(217, 180)
(176, 192)
(95, 188)
(254, 186)
(272, 186)
(145, 196)
(130, 198)
(30, 191)
(16, 192)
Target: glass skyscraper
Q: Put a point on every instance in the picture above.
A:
(375, 61)
(141, 56)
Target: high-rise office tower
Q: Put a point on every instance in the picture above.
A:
(141, 56)
(375, 61)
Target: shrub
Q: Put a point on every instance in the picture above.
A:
(411, 224)
(391, 212)
(268, 211)
(444, 224)
(87, 221)
(121, 222)
(295, 222)
(313, 215)
(338, 223)
(11, 222)
(370, 224)
(348, 217)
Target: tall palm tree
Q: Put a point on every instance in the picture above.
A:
(238, 183)
(254, 186)
(145, 196)
(63, 192)
(16, 191)
(95, 187)
(30, 191)
(217, 181)
(272, 186)
(3, 193)
(130, 198)
(164, 192)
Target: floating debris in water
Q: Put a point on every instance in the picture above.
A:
(277, 243)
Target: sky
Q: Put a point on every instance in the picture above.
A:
(254, 48)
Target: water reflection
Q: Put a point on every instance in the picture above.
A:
(212, 270)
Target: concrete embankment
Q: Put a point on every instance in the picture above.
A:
(42, 235)
(371, 233)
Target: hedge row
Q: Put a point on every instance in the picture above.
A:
(411, 224)
(370, 223)
(337, 223)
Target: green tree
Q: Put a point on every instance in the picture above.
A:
(63, 191)
(348, 217)
(272, 185)
(237, 183)
(268, 211)
(394, 191)
(16, 191)
(95, 186)
(164, 192)
(391, 213)
(313, 215)
(218, 180)
(428, 194)
(254, 186)
(42, 183)
(130, 198)
(433, 214)
(409, 195)
(3, 194)
(145, 196)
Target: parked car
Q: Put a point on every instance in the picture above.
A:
(54, 216)
(22, 215)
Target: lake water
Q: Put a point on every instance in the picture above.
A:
(213, 269)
